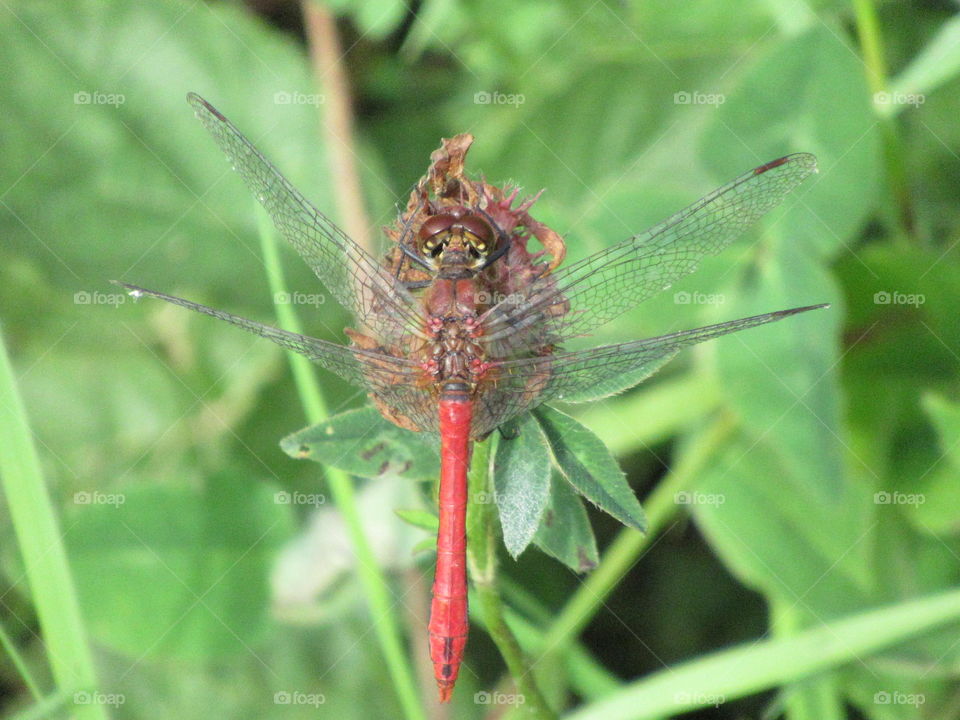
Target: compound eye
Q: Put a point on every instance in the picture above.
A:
(478, 227)
(435, 225)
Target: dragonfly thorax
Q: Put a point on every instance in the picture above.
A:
(455, 355)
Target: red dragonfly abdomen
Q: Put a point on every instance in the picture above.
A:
(448, 610)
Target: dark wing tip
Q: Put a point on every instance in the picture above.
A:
(201, 106)
(807, 161)
(779, 314)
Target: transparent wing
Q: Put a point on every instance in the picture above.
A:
(346, 270)
(612, 281)
(517, 386)
(369, 369)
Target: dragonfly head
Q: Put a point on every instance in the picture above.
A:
(456, 237)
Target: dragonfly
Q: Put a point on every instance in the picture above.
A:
(462, 328)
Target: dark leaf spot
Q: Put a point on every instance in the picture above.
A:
(368, 454)
(585, 562)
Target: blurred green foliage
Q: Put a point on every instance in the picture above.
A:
(839, 484)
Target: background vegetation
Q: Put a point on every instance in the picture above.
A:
(803, 476)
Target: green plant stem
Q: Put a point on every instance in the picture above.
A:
(814, 698)
(18, 662)
(44, 556)
(871, 44)
(623, 552)
(386, 624)
(482, 557)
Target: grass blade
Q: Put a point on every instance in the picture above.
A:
(41, 546)
(758, 666)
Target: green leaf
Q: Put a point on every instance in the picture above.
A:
(936, 507)
(667, 408)
(565, 531)
(423, 519)
(176, 571)
(376, 19)
(521, 481)
(141, 164)
(820, 560)
(901, 314)
(589, 467)
(945, 415)
(778, 378)
(937, 63)
(361, 442)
